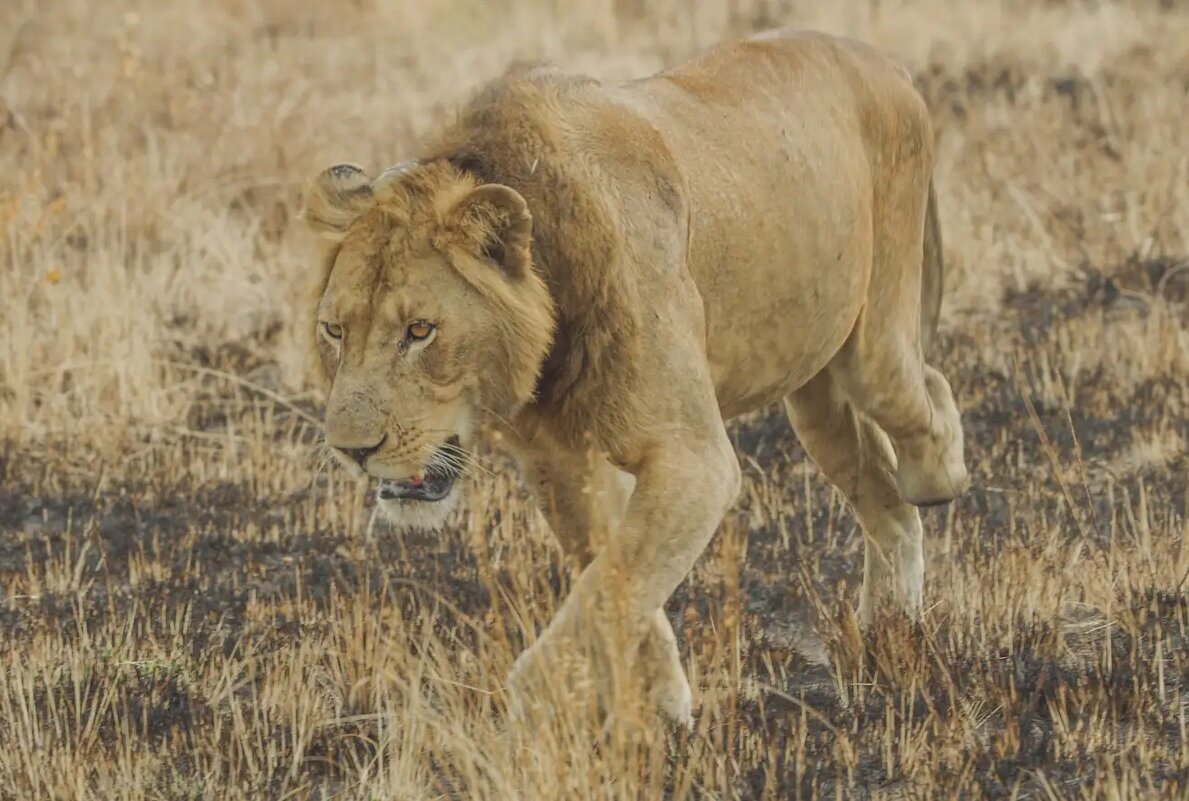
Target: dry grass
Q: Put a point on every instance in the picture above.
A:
(191, 608)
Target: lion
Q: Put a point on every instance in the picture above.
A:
(602, 275)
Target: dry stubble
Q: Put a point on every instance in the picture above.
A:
(195, 606)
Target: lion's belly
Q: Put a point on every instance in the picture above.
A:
(774, 334)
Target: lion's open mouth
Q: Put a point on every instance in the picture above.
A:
(434, 484)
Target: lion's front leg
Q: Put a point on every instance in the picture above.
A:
(683, 489)
(584, 499)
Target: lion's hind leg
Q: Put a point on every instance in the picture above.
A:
(932, 468)
(880, 368)
(854, 454)
(911, 401)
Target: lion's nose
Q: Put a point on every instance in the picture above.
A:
(360, 454)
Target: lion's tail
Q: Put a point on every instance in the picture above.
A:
(932, 274)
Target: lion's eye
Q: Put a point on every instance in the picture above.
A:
(419, 331)
(333, 331)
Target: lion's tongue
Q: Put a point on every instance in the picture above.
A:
(424, 488)
(411, 483)
(397, 489)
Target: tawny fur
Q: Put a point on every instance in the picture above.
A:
(618, 269)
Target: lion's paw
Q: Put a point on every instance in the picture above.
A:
(524, 680)
(933, 470)
(675, 701)
(931, 481)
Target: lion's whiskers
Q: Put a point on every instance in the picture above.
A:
(499, 418)
(458, 462)
(455, 457)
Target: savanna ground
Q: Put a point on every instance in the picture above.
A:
(193, 605)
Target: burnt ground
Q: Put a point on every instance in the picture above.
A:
(142, 543)
(192, 607)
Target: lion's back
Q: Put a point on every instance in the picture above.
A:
(749, 168)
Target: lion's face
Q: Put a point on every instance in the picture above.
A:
(399, 334)
(430, 317)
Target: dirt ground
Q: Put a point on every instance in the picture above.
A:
(195, 605)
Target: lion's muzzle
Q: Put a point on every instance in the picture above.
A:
(434, 484)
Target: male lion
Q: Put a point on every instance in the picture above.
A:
(606, 273)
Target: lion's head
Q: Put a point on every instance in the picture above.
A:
(430, 316)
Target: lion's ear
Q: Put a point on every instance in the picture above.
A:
(494, 219)
(335, 197)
